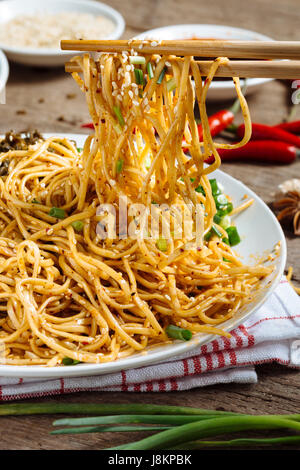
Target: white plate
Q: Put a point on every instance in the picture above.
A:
(9, 9)
(219, 90)
(4, 71)
(260, 232)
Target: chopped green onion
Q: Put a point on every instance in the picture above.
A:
(226, 260)
(176, 332)
(78, 225)
(233, 236)
(162, 244)
(225, 222)
(221, 200)
(213, 231)
(137, 59)
(67, 361)
(214, 187)
(118, 113)
(79, 150)
(35, 201)
(224, 209)
(57, 213)
(150, 70)
(171, 84)
(217, 219)
(119, 165)
(200, 189)
(139, 77)
(225, 240)
(161, 76)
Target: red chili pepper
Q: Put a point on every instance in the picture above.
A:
(293, 127)
(264, 151)
(217, 122)
(89, 125)
(264, 132)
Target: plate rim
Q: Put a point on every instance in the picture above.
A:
(178, 348)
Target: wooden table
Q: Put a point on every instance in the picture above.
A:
(48, 99)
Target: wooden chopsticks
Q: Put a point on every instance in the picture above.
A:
(287, 69)
(194, 47)
(239, 68)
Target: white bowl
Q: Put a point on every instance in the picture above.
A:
(9, 9)
(4, 71)
(223, 89)
(260, 231)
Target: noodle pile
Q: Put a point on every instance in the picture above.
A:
(65, 292)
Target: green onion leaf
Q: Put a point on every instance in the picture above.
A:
(119, 165)
(176, 332)
(137, 59)
(200, 189)
(162, 244)
(171, 84)
(220, 200)
(118, 113)
(57, 213)
(214, 187)
(217, 219)
(161, 76)
(78, 225)
(150, 70)
(35, 201)
(139, 77)
(226, 260)
(213, 231)
(67, 361)
(225, 222)
(233, 236)
(225, 240)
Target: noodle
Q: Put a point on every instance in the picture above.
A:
(68, 291)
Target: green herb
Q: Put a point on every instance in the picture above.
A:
(139, 76)
(137, 59)
(79, 149)
(225, 222)
(171, 84)
(200, 189)
(225, 240)
(161, 76)
(213, 231)
(207, 428)
(67, 361)
(162, 244)
(119, 165)
(150, 70)
(214, 187)
(35, 201)
(57, 213)
(221, 200)
(217, 219)
(119, 116)
(176, 332)
(89, 429)
(78, 225)
(233, 236)
(226, 260)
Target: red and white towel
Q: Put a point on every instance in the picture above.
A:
(272, 334)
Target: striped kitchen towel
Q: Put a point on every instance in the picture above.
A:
(272, 334)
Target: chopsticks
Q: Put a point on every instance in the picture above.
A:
(239, 68)
(194, 47)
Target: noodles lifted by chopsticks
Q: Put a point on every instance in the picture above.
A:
(68, 291)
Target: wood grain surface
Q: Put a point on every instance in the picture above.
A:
(48, 99)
